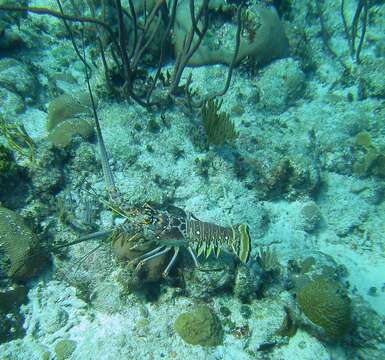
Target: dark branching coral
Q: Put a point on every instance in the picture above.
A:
(218, 127)
(327, 305)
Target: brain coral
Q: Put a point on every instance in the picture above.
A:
(199, 327)
(327, 305)
(20, 253)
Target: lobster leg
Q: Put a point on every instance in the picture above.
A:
(171, 263)
(147, 254)
(146, 257)
(196, 262)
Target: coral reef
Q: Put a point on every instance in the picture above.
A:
(299, 129)
(26, 85)
(63, 133)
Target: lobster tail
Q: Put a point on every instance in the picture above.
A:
(244, 243)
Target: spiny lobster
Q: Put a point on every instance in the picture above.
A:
(172, 228)
(163, 229)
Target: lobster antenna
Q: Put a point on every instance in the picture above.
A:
(108, 176)
(107, 173)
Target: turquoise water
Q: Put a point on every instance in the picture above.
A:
(192, 179)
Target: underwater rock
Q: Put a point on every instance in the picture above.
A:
(301, 346)
(310, 216)
(247, 282)
(368, 334)
(9, 39)
(218, 276)
(46, 171)
(280, 84)
(291, 178)
(105, 297)
(22, 255)
(200, 326)
(26, 85)
(262, 38)
(12, 297)
(11, 321)
(11, 326)
(310, 267)
(268, 319)
(53, 319)
(8, 167)
(32, 350)
(371, 77)
(10, 36)
(327, 304)
(84, 159)
(12, 103)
